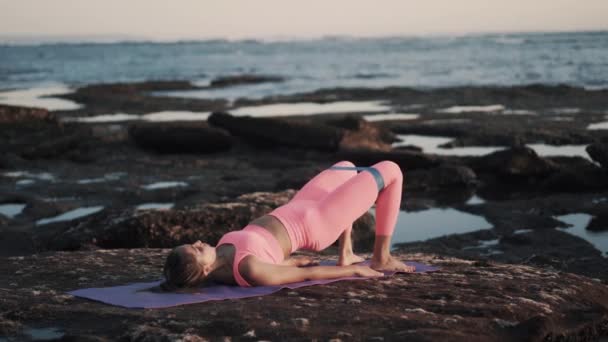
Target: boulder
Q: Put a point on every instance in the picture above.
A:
(514, 162)
(169, 228)
(599, 153)
(442, 176)
(180, 138)
(465, 300)
(269, 132)
(598, 223)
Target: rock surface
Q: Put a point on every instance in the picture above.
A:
(464, 301)
(180, 138)
(599, 153)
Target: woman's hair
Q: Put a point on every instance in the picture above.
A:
(181, 270)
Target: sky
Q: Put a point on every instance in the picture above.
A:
(239, 19)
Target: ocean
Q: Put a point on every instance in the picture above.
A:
(574, 58)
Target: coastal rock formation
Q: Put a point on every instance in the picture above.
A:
(407, 160)
(169, 228)
(180, 138)
(599, 153)
(135, 98)
(515, 162)
(465, 300)
(34, 133)
(267, 132)
(15, 114)
(229, 81)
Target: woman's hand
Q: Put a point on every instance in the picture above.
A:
(365, 271)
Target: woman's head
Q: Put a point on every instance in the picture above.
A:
(188, 265)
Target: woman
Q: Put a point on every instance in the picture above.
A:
(319, 214)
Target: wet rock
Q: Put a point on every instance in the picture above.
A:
(521, 302)
(407, 160)
(229, 81)
(598, 223)
(134, 98)
(515, 162)
(267, 132)
(15, 114)
(180, 138)
(576, 178)
(32, 133)
(599, 153)
(443, 176)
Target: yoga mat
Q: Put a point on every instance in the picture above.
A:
(136, 296)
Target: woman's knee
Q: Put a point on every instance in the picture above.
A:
(345, 163)
(390, 171)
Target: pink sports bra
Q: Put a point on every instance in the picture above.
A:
(252, 240)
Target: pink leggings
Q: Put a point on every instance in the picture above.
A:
(329, 204)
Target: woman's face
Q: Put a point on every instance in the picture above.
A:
(202, 252)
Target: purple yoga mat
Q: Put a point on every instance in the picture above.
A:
(136, 296)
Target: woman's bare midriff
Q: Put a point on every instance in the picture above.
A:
(273, 225)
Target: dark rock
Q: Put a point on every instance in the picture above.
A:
(410, 148)
(550, 305)
(515, 162)
(443, 176)
(133, 98)
(599, 153)
(180, 138)
(14, 114)
(229, 81)
(33, 133)
(598, 223)
(407, 160)
(266, 132)
(576, 179)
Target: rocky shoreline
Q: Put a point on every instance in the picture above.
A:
(216, 175)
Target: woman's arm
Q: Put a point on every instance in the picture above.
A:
(261, 273)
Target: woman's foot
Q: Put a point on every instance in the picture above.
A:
(391, 264)
(349, 259)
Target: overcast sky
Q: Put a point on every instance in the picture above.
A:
(234, 19)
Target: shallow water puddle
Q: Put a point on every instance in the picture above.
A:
(35, 97)
(164, 185)
(432, 223)
(599, 125)
(579, 222)
(70, 215)
(431, 144)
(114, 176)
(561, 150)
(311, 108)
(164, 116)
(11, 210)
(154, 206)
(522, 231)
(391, 116)
(26, 174)
(467, 109)
(475, 200)
(43, 334)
